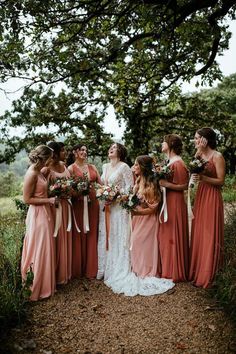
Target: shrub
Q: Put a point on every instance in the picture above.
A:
(225, 282)
(13, 294)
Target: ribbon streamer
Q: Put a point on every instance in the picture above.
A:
(107, 223)
(164, 206)
(69, 225)
(190, 212)
(58, 219)
(85, 215)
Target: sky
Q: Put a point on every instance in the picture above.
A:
(227, 65)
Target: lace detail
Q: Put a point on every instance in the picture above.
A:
(114, 264)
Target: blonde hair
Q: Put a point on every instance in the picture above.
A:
(40, 154)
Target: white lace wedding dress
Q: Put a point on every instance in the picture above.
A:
(114, 263)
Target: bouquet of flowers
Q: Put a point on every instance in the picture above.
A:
(107, 193)
(81, 184)
(162, 170)
(197, 165)
(128, 201)
(61, 187)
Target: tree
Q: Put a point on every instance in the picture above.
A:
(124, 53)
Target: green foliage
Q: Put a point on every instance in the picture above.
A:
(13, 294)
(21, 207)
(94, 54)
(229, 189)
(10, 185)
(225, 283)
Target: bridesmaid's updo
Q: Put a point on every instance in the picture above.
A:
(210, 135)
(40, 154)
(174, 143)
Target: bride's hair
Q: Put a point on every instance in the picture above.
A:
(150, 188)
(40, 154)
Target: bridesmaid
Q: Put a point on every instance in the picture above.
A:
(144, 244)
(86, 215)
(38, 247)
(63, 237)
(208, 224)
(173, 234)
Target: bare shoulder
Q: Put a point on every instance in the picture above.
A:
(31, 174)
(218, 156)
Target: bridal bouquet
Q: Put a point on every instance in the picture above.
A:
(128, 201)
(197, 165)
(162, 170)
(107, 193)
(61, 187)
(81, 184)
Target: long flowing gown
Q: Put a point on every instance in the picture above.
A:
(145, 257)
(173, 234)
(84, 251)
(38, 248)
(114, 264)
(63, 239)
(207, 237)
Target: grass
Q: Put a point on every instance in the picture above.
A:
(13, 295)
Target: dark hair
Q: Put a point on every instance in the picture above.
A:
(210, 135)
(146, 164)
(62, 145)
(174, 142)
(121, 151)
(71, 156)
(151, 181)
(56, 148)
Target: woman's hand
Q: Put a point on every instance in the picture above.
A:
(163, 183)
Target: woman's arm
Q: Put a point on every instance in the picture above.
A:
(144, 211)
(29, 188)
(175, 187)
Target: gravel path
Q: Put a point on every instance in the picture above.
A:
(87, 317)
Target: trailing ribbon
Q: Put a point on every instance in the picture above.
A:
(69, 225)
(190, 212)
(164, 206)
(58, 219)
(85, 215)
(107, 223)
(130, 232)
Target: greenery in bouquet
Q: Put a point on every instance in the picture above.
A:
(61, 187)
(162, 170)
(128, 201)
(197, 165)
(108, 193)
(81, 184)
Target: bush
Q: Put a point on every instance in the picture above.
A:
(225, 289)
(10, 185)
(229, 189)
(13, 295)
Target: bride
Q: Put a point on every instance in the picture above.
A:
(114, 263)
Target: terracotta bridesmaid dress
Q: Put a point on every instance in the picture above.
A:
(84, 245)
(63, 239)
(206, 252)
(173, 234)
(38, 247)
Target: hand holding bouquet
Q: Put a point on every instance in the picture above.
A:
(61, 187)
(196, 166)
(128, 201)
(81, 184)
